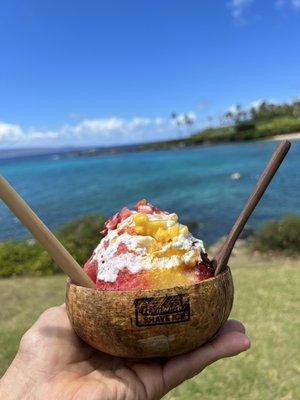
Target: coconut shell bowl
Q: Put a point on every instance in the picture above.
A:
(146, 323)
(150, 323)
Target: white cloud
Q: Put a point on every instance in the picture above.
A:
(256, 104)
(282, 3)
(295, 3)
(237, 8)
(253, 104)
(95, 126)
(97, 131)
(180, 119)
(138, 123)
(10, 132)
(233, 109)
(192, 116)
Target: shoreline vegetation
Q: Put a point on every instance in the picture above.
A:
(80, 237)
(265, 121)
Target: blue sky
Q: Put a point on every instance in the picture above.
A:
(111, 72)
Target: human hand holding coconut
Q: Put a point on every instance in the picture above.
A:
(54, 364)
(140, 309)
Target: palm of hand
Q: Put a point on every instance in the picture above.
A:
(62, 367)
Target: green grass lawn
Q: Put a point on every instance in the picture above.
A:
(266, 300)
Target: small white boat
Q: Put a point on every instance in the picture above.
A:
(235, 176)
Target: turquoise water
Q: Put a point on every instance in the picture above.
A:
(196, 183)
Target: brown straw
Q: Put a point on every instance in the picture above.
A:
(43, 235)
(221, 259)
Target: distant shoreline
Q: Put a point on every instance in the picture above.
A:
(177, 144)
(287, 136)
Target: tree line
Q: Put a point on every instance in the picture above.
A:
(263, 111)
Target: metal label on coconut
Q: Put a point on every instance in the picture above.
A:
(162, 310)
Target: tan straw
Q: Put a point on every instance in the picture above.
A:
(43, 235)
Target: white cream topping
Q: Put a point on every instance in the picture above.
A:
(145, 252)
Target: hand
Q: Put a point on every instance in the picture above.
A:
(54, 364)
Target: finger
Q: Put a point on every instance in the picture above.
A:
(52, 339)
(53, 325)
(228, 345)
(186, 366)
(54, 316)
(232, 326)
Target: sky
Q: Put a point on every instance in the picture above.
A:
(111, 72)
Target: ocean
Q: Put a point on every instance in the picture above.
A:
(196, 183)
